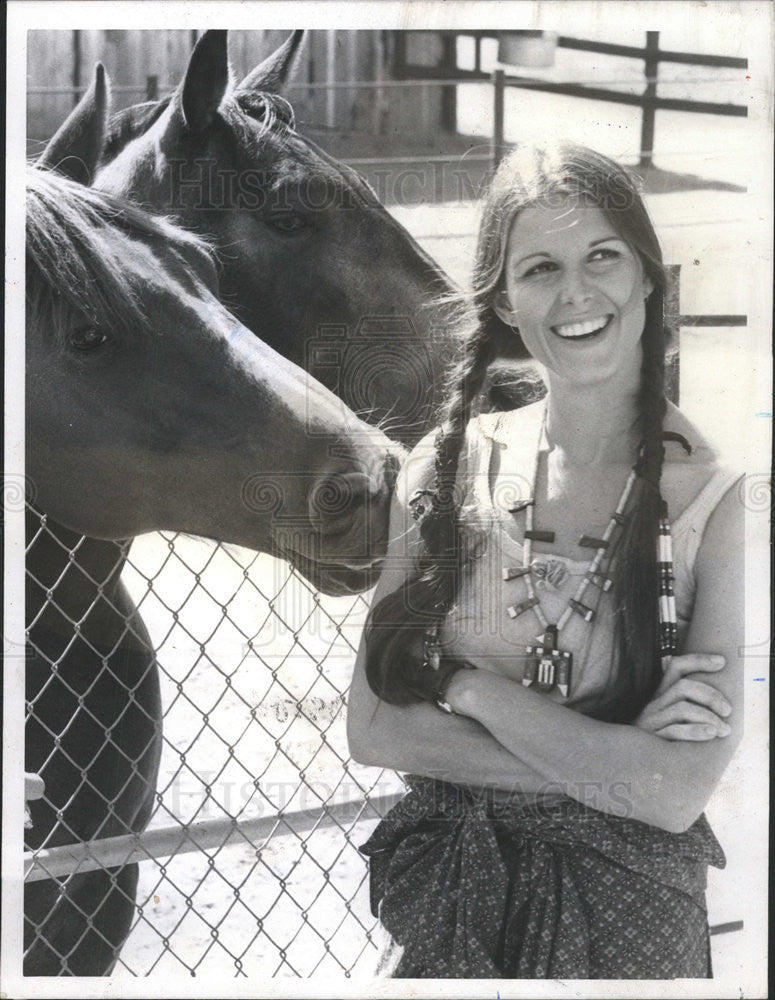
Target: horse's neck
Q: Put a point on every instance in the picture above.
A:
(67, 568)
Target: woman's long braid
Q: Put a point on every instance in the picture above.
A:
(398, 623)
(439, 530)
(636, 587)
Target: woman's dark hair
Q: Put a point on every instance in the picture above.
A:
(544, 175)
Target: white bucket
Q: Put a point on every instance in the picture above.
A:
(527, 48)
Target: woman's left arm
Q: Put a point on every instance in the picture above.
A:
(622, 769)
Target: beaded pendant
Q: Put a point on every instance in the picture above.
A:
(549, 667)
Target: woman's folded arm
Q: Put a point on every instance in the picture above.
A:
(420, 738)
(666, 783)
(423, 740)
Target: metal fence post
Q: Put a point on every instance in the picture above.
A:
(498, 82)
(651, 68)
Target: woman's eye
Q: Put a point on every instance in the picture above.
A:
(86, 338)
(286, 223)
(545, 267)
(604, 253)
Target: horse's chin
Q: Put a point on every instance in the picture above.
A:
(334, 579)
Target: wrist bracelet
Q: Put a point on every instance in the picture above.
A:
(441, 692)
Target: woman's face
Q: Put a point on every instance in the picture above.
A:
(576, 291)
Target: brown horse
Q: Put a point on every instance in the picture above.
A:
(310, 260)
(148, 406)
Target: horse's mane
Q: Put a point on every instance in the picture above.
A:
(273, 112)
(79, 244)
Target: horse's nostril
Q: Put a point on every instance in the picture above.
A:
(352, 503)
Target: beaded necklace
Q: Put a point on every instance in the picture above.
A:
(548, 666)
(668, 620)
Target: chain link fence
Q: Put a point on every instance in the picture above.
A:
(249, 864)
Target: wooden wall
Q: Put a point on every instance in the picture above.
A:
(59, 59)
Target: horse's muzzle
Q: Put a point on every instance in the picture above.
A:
(342, 550)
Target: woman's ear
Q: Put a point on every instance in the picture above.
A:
(502, 308)
(648, 286)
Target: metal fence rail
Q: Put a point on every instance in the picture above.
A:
(205, 835)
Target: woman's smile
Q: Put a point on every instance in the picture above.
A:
(583, 329)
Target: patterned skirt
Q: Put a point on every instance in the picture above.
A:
(469, 887)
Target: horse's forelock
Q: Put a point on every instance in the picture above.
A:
(259, 123)
(271, 110)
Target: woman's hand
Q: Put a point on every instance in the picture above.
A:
(684, 708)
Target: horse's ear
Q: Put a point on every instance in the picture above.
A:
(206, 81)
(77, 145)
(272, 73)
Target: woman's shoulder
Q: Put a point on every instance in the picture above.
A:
(501, 427)
(418, 469)
(702, 453)
(506, 428)
(694, 479)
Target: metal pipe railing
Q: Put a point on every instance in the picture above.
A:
(185, 838)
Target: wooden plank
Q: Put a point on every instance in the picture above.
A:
(650, 103)
(621, 97)
(633, 52)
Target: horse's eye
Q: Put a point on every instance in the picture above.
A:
(86, 338)
(288, 222)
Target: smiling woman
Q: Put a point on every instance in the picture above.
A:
(570, 275)
(564, 581)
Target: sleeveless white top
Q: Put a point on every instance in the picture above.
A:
(479, 628)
